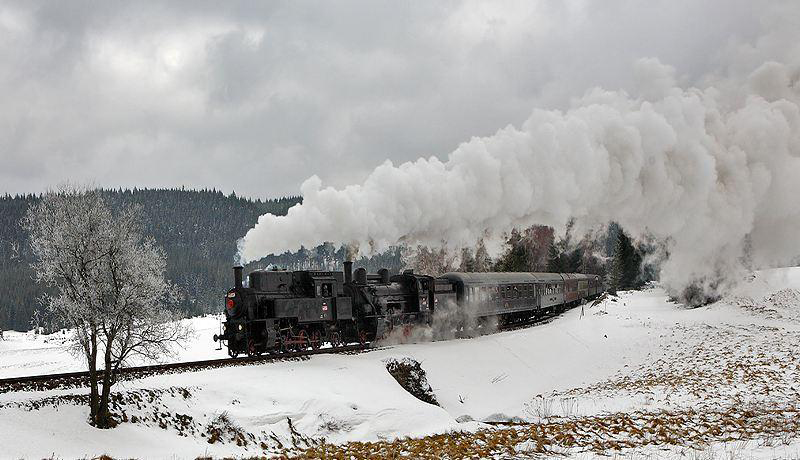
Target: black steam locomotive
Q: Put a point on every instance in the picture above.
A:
(282, 310)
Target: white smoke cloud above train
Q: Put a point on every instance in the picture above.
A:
(712, 169)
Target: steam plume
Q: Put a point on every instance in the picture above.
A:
(712, 170)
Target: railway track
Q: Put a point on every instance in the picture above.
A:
(80, 379)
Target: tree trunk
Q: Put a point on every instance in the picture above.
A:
(104, 417)
(94, 399)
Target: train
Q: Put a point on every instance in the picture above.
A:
(279, 310)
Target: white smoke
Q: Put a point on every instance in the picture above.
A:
(713, 170)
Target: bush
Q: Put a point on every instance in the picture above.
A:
(410, 375)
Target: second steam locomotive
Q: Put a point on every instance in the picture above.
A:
(282, 310)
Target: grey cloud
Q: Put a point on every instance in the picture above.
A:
(257, 97)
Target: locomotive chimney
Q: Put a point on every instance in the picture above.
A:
(237, 276)
(348, 271)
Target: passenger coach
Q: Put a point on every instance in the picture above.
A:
(514, 294)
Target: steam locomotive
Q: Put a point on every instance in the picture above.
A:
(282, 310)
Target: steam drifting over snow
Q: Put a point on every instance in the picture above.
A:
(712, 171)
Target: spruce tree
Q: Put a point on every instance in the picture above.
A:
(575, 261)
(515, 259)
(625, 266)
(555, 264)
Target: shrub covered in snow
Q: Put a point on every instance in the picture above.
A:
(410, 375)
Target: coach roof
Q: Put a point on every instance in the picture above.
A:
(502, 277)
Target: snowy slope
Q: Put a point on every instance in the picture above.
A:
(615, 356)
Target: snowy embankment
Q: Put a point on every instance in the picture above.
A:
(637, 355)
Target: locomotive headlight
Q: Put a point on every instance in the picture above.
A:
(240, 327)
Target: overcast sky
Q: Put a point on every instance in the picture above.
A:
(256, 97)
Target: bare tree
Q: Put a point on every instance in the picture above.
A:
(108, 283)
(431, 261)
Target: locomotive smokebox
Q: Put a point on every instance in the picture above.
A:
(348, 271)
(237, 276)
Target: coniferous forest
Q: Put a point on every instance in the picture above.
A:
(198, 231)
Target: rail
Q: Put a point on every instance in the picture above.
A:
(78, 379)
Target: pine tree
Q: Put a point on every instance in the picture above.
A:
(575, 261)
(625, 265)
(555, 262)
(515, 259)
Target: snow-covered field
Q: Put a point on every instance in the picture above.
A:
(595, 379)
(27, 353)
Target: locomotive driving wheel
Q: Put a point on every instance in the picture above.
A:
(315, 340)
(252, 348)
(301, 342)
(336, 340)
(362, 337)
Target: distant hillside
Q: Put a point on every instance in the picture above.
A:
(197, 229)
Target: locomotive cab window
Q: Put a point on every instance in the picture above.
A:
(324, 289)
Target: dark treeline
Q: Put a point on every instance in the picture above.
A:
(197, 229)
(611, 254)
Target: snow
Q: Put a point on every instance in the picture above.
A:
(618, 355)
(28, 353)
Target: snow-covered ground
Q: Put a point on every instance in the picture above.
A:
(636, 355)
(28, 353)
